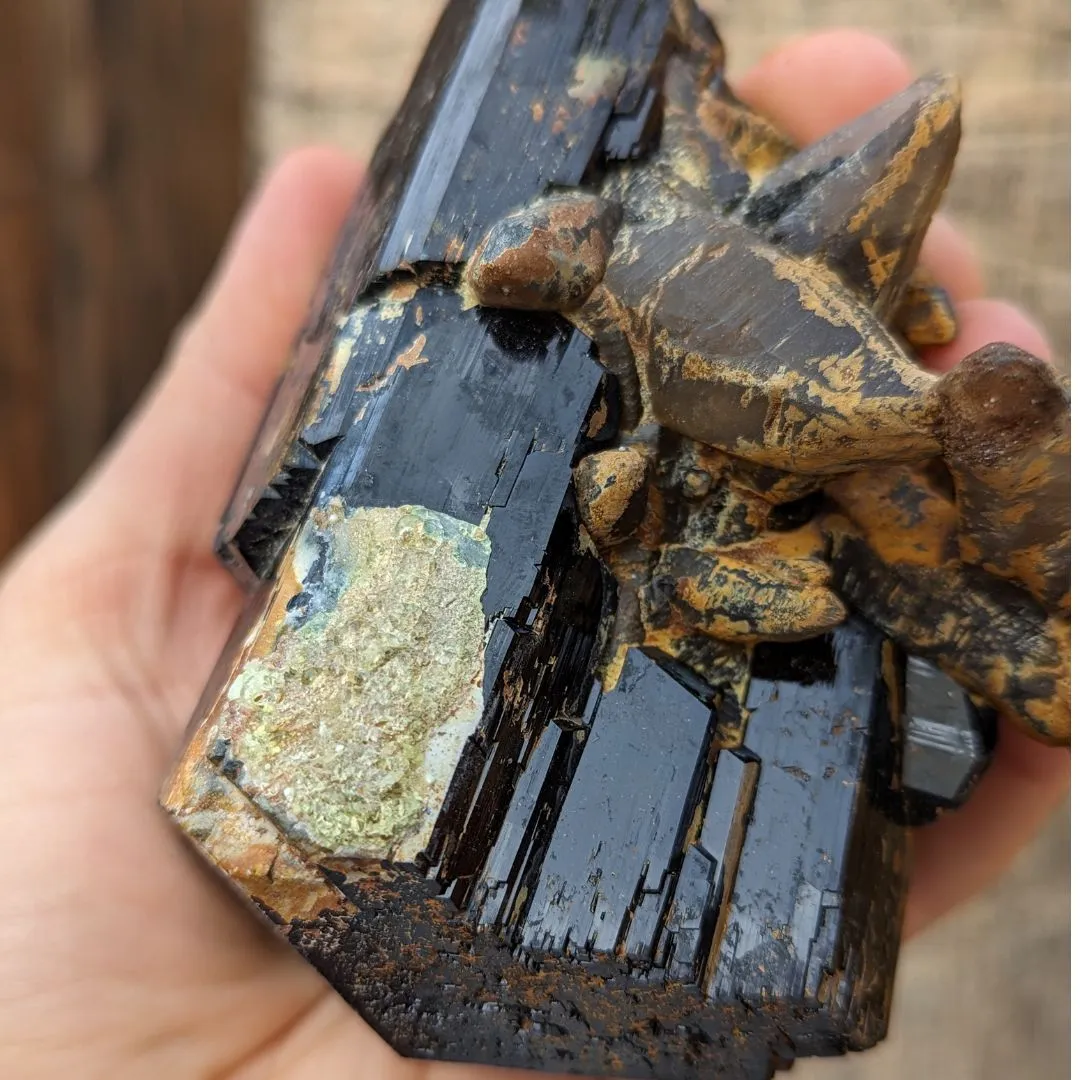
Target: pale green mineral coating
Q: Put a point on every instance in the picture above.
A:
(350, 729)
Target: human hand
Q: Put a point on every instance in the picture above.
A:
(120, 956)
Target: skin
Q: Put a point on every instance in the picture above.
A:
(119, 956)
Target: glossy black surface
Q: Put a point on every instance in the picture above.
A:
(627, 897)
(500, 83)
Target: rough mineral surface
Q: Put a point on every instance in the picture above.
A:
(350, 727)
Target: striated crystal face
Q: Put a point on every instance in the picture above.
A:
(948, 743)
(571, 723)
(605, 876)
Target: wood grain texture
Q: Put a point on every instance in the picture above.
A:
(973, 1000)
(146, 170)
(23, 258)
(122, 162)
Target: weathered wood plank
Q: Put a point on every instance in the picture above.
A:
(146, 117)
(23, 259)
(123, 127)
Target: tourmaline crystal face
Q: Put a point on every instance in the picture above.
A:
(570, 723)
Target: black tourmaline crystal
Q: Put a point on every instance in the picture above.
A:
(948, 743)
(413, 757)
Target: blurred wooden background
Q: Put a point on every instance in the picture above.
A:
(125, 147)
(123, 158)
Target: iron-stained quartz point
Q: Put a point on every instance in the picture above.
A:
(616, 577)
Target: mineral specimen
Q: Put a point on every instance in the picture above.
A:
(947, 743)
(611, 560)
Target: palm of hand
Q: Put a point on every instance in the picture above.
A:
(118, 955)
